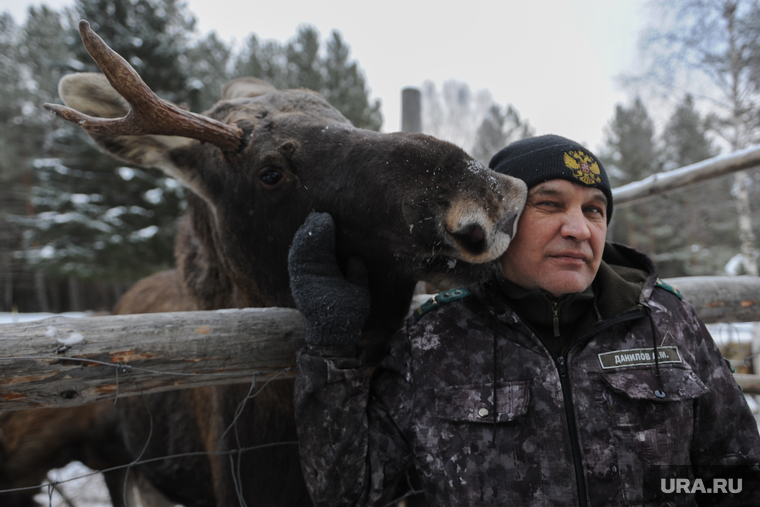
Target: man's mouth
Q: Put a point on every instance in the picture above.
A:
(570, 255)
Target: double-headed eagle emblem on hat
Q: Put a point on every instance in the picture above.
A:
(584, 167)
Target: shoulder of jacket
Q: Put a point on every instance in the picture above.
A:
(662, 285)
(441, 299)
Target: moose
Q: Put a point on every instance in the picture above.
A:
(257, 163)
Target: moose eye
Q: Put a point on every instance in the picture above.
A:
(270, 177)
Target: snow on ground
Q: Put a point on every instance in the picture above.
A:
(87, 490)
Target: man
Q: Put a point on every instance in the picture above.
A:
(571, 378)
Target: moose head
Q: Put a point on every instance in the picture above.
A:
(412, 206)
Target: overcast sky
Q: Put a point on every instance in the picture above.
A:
(554, 60)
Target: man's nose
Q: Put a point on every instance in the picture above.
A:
(575, 225)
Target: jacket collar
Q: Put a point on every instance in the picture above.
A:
(625, 280)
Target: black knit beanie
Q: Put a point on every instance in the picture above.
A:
(539, 159)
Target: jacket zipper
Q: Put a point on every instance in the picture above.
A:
(561, 364)
(555, 309)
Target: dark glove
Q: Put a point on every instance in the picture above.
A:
(335, 307)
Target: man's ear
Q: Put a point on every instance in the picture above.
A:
(92, 94)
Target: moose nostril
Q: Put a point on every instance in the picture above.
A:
(471, 237)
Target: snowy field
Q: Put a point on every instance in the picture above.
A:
(90, 489)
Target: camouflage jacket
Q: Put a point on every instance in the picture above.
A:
(489, 416)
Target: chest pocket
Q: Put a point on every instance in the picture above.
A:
(647, 430)
(679, 384)
(477, 472)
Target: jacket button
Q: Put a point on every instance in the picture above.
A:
(483, 412)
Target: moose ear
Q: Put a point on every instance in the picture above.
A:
(92, 94)
(246, 87)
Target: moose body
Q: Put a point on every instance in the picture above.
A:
(410, 206)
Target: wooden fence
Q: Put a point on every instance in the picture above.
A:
(61, 362)
(65, 362)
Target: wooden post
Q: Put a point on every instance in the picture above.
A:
(411, 110)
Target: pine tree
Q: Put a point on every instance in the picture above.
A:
(209, 62)
(630, 155)
(265, 61)
(685, 136)
(700, 234)
(94, 218)
(84, 215)
(152, 35)
(15, 98)
(345, 88)
(499, 128)
(300, 64)
(304, 68)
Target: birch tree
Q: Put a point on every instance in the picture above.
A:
(710, 48)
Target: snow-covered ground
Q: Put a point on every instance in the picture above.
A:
(90, 489)
(10, 318)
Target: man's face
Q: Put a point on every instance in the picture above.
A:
(560, 238)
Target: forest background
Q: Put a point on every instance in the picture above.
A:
(78, 228)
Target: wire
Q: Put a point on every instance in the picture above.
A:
(233, 453)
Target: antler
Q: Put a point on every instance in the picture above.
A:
(149, 113)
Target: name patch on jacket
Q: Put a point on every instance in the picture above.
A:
(636, 357)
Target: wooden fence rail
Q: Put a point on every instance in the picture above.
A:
(721, 298)
(65, 362)
(677, 178)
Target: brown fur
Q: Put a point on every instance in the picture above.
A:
(405, 203)
(35, 441)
